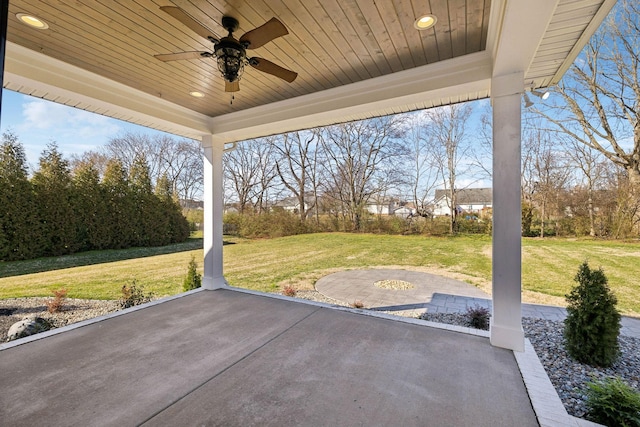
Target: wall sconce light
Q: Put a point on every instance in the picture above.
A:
(527, 100)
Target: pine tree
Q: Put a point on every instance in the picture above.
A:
(54, 195)
(19, 226)
(92, 218)
(144, 229)
(162, 195)
(178, 227)
(592, 325)
(193, 280)
(120, 208)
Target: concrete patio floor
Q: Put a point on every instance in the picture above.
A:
(231, 358)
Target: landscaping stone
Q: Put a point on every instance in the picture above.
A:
(27, 326)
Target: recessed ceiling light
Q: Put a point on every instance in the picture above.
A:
(32, 21)
(424, 22)
(196, 94)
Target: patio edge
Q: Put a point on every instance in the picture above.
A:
(546, 403)
(93, 320)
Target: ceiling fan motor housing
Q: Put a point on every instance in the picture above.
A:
(230, 24)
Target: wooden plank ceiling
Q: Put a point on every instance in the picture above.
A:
(330, 43)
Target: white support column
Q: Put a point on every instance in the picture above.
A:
(213, 211)
(506, 319)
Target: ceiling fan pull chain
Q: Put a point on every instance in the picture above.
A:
(232, 98)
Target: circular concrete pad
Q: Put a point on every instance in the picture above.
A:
(358, 285)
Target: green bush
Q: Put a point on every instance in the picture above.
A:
(388, 224)
(134, 294)
(472, 225)
(613, 403)
(276, 223)
(593, 323)
(193, 279)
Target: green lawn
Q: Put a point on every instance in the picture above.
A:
(548, 265)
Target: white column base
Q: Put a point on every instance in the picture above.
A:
(506, 337)
(213, 283)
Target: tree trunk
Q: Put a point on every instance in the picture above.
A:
(592, 228)
(542, 214)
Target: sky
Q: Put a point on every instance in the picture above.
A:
(38, 122)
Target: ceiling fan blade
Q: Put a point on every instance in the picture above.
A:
(182, 55)
(187, 20)
(264, 33)
(269, 67)
(232, 86)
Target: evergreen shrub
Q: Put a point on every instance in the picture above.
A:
(193, 280)
(612, 402)
(593, 323)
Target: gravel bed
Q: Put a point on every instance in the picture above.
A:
(567, 376)
(74, 310)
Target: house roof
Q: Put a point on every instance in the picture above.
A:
(469, 196)
(355, 59)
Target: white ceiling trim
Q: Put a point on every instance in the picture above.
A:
(434, 84)
(597, 20)
(33, 73)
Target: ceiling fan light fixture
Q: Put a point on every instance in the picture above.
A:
(231, 58)
(425, 22)
(32, 21)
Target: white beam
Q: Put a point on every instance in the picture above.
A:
(519, 34)
(506, 319)
(27, 71)
(213, 277)
(437, 83)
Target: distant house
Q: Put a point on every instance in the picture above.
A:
(382, 207)
(192, 204)
(390, 207)
(469, 200)
(292, 204)
(404, 211)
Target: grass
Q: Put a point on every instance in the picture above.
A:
(549, 265)
(38, 265)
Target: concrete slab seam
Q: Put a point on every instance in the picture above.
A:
(222, 371)
(371, 313)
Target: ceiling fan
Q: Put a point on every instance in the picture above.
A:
(229, 52)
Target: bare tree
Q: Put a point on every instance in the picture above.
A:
(599, 98)
(180, 160)
(356, 153)
(545, 173)
(296, 167)
(446, 128)
(129, 146)
(589, 162)
(423, 171)
(249, 172)
(184, 168)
